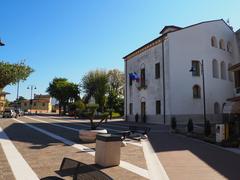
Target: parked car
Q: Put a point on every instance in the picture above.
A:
(9, 113)
(19, 112)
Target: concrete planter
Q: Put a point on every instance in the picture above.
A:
(90, 135)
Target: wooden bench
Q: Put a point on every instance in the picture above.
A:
(139, 129)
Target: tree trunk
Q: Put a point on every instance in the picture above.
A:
(64, 109)
(59, 109)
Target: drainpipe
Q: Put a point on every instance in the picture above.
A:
(126, 89)
(164, 92)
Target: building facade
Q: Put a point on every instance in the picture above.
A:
(234, 102)
(169, 74)
(40, 104)
(2, 100)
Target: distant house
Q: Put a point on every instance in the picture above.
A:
(40, 104)
(164, 76)
(2, 100)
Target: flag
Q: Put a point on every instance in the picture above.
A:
(136, 76)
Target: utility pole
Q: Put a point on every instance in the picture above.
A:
(204, 98)
(31, 87)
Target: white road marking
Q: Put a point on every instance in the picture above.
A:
(155, 168)
(76, 130)
(128, 166)
(20, 168)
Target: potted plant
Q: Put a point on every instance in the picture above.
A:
(173, 124)
(89, 135)
(190, 126)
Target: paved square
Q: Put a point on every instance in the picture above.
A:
(44, 141)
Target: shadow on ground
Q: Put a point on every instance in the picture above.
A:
(224, 162)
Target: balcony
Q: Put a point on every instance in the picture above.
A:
(141, 85)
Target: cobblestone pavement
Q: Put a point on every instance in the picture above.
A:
(44, 154)
(182, 157)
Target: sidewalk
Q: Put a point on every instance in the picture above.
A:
(186, 158)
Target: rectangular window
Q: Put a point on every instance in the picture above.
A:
(143, 77)
(195, 68)
(157, 70)
(131, 108)
(158, 107)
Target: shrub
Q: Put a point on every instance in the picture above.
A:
(173, 123)
(230, 143)
(190, 125)
(136, 117)
(207, 129)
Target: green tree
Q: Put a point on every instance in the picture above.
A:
(116, 80)
(95, 84)
(77, 107)
(64, 91)
(115, 91)
(12, 73)
(17, 102)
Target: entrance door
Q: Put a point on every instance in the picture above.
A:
(143, 111)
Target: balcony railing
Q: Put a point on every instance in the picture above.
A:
(142, 85)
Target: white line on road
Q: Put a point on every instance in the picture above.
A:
(20, 168)
(155, 168)
(76, 130)
(128, 166)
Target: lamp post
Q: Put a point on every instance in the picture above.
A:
(1, 43)
(31, 87)
(193, 69)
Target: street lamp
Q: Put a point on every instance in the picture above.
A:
(31, 87)
(1, 43)
(193, 69)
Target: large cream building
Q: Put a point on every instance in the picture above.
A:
(164, 78)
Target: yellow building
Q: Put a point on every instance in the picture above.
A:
(2, 100)
(40, 104)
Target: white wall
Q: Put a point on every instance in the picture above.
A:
(195, 44)
(153, 91)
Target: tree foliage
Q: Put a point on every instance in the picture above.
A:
(64, 91)
(115, 101)
(95, 83)
(106, 88)
(12, 73)
(116, 80)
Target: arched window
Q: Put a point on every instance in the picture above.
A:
(215, 68)
(230, 74)
(229, 47)
(196, 91)
(216, 108)
(214, 41)
(223, 70)
(221, 44)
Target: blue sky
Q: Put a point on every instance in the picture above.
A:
(67, 38)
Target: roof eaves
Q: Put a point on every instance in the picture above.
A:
(145, 45)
